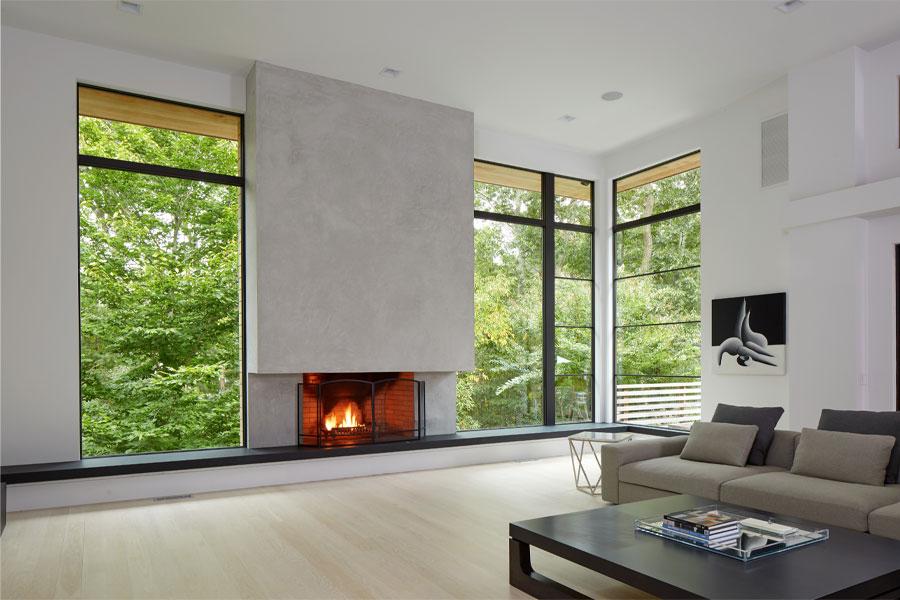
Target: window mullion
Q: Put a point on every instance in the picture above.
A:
(547, 212)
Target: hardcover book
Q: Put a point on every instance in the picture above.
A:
(703, 521)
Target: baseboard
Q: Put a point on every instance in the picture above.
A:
(75, 492)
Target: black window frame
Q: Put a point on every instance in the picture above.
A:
(549, 226)
(633, 224)
(239, 181)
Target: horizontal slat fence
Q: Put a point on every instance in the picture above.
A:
(674, 405)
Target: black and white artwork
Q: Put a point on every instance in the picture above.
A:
(748, 335)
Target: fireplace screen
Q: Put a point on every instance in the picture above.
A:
(340, 409)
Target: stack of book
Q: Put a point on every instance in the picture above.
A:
(709, 528)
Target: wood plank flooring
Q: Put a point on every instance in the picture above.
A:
(430, 534)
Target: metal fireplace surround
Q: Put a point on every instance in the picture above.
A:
(346, 409)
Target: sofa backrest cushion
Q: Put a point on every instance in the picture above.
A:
(765, 418)
(870, 422)
(781, 452)
(841, 456)
(721, 443)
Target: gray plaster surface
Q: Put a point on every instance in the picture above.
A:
(363, 243)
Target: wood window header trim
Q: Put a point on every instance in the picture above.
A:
(114, 106)
(667, 169)
(523, 179)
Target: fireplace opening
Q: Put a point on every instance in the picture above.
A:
(342, 409)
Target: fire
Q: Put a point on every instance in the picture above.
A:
(347, 411)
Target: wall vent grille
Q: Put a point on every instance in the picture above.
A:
(774, 145)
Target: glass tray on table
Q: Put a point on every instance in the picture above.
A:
(758, 537)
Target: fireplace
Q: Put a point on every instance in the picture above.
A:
(344, 409)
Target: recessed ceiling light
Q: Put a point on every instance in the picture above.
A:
(789, 6)
(610, 96)
(133, 8)
(567, 118)
(390, 72)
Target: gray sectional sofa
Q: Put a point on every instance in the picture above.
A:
(650, 468)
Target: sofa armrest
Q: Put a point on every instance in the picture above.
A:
(613, 456)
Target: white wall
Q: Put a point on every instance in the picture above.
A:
(39, 406)
(844, 120)
(528, 153)
(882, 146)
(844, 180)
(826, 92)
(826, 318)
(742, 245)
(884, 234)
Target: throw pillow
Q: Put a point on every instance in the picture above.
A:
(841, 456)
(765, 418)
(870, 422)
(721, 443)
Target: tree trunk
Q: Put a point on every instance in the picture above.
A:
(648, 234)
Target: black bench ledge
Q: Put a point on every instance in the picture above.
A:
(130, 464)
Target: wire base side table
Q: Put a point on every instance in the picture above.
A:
(587, 480)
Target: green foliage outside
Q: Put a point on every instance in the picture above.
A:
(663, 298)
(505, 389)
(160, 294)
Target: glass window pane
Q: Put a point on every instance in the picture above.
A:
(574, 399)
(659, 196)
(660, 298)
(573, 351)
(659, 401)
(658, 350)
(151, 145)
(668, 244)
(573, 254)
(505, 390)
(572, 202)
(573, 302)
(507, 191)
(160, 313)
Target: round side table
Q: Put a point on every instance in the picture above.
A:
(590, 484)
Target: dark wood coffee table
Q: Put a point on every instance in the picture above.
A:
(847, 565)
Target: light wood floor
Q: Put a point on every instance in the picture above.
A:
(432, 534)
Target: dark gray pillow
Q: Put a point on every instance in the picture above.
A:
(765, 418)
(870, 422)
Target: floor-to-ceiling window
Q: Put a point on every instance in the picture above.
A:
(534, 336)
(656, 287)
(159, 201)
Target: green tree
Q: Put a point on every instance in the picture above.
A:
(160, 294)
(505, 389)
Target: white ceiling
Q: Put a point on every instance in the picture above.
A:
(518, 65)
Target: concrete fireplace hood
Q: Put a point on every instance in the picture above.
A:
(359, 242)
(363, 246)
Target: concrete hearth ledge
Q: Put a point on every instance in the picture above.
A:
(222, 457)
(111, 479)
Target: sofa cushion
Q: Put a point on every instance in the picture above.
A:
(781, 452)
(886, 521)
(867, 422)
(675, 474)
(720, 443)
(765, 418)
(841, 456)
(830, 502)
